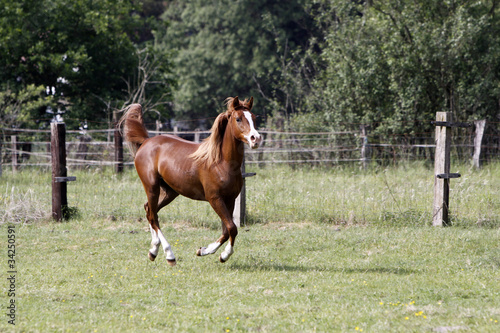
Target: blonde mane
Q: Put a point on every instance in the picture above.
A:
(210, 150)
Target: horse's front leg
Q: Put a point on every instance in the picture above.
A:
(211, 248)
(229, 230)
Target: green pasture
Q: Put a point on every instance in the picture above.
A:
(323, 250)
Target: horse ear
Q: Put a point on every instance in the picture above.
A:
(236, 103)
(249, 104)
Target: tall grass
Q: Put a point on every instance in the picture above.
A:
(397, 196)
(342, 195)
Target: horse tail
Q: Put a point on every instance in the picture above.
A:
(134, 131)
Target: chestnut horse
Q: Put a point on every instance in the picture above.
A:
(211, 171)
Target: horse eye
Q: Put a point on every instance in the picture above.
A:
(238, 120)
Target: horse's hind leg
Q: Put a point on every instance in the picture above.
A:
(159, 197)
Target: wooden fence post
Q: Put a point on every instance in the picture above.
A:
(197, 135)
(442, 166)
(13, 142)
(478, 139)
(83, 148)
(240, 207)
(58, 153)
(260, 155)
(240, 204)
(365, 148)
(118, 149)
(1, 142)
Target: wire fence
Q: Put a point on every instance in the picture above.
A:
(24, 148)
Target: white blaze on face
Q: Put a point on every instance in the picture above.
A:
(253, 137)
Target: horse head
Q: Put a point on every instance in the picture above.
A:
(242, 121)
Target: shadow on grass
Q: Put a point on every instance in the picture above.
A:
(312, 268)
(70, 213)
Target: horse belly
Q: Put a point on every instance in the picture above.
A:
(189, 189)
(182, 178)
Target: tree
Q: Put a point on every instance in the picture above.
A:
(19, 107)
(228, 48)
(151, 82)
(82, 52)
(401, 61)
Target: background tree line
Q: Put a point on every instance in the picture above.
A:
(311, 65)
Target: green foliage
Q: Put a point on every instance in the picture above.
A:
(82, 51)
(322, 64)
(405, 60)
(150, 83)
(227, 48)
(21, 107)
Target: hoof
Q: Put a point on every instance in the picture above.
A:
(221, 260)
(171, 262)
(151, 256)
(198, 252)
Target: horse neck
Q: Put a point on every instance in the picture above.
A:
(232, 149)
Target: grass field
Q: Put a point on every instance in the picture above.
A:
(335, 250)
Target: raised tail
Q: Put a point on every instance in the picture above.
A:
(133, 129)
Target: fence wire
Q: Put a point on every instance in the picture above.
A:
(96, 148)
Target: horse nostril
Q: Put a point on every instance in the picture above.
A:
(252, 138)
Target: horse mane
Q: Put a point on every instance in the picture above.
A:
(210, 150)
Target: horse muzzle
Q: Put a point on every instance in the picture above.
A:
(254, 140)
